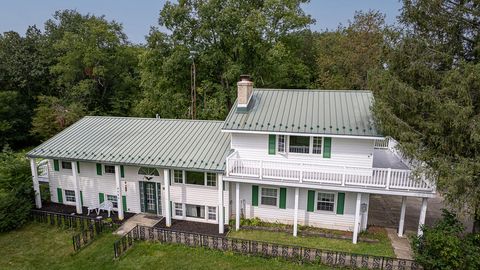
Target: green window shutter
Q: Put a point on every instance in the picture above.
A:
(122, 171)
(327, 147)
(56, 167)
(101, 197)
(255, 195)
(142, 197)
(99, 169)
(311, 201)
(124, 203)
(78, 167)
(271, 144)
(283, 198)
(340, 203)
(81, 197)
(171, 213)
(59, 195)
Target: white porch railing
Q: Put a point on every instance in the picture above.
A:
(385, 178)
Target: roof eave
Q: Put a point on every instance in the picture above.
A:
(364, 137)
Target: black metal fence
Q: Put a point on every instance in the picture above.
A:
(89, 227)
(264, 249)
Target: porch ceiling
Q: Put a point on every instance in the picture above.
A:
(190, 144)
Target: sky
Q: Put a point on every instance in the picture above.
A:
(137, 16)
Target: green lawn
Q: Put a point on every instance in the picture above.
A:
(40, 246)
(382, 248)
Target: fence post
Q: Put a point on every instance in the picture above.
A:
(389, 174)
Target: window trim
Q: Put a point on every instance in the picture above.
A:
(321, 145)
(66, 197)
(206, 179)
(183, 176)
(205, 214)
(215, 212)
(335, 197)
(113, 202)
(182, 208)
(105, 169)
(277, 197)
(285, 143)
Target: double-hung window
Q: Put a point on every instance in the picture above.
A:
(281, 143)
(178, 209)
(178, 176)
(325, 201)
(113, 199)
(212, 213)
(70, 195)
(269, 196)
(317, 145)
(212, 179)
(66, 165)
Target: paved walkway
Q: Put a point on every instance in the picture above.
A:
(401, 245)
(140, 219)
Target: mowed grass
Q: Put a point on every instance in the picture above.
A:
(40, 246)
(382, 248)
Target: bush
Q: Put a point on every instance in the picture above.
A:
(16, 191)
(446, 245)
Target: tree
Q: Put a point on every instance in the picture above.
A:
(344, 57)
(429, 99)
(16, 191)
(53, 115)
(446, 245)
(226, 38)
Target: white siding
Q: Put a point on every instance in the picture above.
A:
(92, 184)
(344, 152)
(275, 214)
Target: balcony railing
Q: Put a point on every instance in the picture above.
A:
(385, 178)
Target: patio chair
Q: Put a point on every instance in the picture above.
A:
(107, 206)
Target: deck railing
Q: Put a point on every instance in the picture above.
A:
(261, 248)
(385, 178)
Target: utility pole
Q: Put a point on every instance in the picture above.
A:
(193, 88)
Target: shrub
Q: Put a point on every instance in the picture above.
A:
(16, 192)
(447, 246)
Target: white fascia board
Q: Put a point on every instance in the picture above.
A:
(370, 190)
(305, 134)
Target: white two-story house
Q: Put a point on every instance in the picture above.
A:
(309, 157)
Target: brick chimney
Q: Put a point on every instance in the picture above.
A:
(244, 92)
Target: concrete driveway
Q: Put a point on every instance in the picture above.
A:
(384, 211)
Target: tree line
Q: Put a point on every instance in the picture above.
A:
(424, 72)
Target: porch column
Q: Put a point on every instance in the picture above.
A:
(36, 185)
(76, 186)
(423, 213)
(227, 208)
(237, 206)
(356, 223)
(221, 219)
(119, 192)
(401, 223)
(295, 213)
(168, 214)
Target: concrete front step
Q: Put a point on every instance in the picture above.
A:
(138, 219)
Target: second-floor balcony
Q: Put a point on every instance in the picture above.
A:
(388, 172)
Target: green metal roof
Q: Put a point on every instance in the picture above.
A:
(335, 112)
(188, 144)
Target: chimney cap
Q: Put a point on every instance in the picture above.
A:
(245, 77)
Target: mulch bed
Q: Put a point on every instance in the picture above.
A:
(194, 227)
(71, 209)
